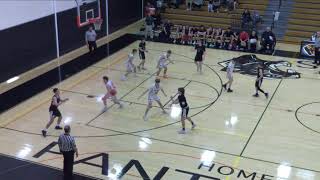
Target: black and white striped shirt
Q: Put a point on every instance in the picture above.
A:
(66, 143)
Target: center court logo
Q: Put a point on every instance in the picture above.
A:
(247, 64)
(193, 168)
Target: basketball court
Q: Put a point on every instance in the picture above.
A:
(237, 136)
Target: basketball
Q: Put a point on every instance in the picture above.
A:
(113, 92)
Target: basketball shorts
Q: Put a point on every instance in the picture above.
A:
(153, 98)
(259, 83)
(184, 112)
(110, 95)
(198, 58)
(142, 55)
(55, 113)
(230, 76)
(162, 65)
(130, 67)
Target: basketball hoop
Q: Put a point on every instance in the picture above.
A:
(96, 23)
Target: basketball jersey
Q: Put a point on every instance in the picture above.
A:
(110, 85)
(200, 50)
(130, 59)
(142, 45)
(258, 72)
(230, 67)
(52, 106)
(153, 91)
(182, 101)
(163, 58)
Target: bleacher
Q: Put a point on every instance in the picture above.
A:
(303, 22)
(203, 17)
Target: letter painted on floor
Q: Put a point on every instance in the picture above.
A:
(105, 162)
(141, 170)
(47, 149)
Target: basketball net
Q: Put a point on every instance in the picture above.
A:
(96, 23)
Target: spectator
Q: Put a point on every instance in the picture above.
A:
(236, 41)
(210, 6)
(178, 36)
(190, 34)
(149, 23)
(213, 36)
(201, 34)
(219, 38)
(91, 38)
(166, 31)
(313, 37)
(256, 18)
(235, 4)
(224, 3)
(175, 3)
(189, 5)
(194, 35)
(246, 18)
(149, 9)
(157, 19)
(209, 34)
(244, 38)
(228, 38)
(185, 35)
(317, 49)
(268, 41)
(160, 6)
(216, 5)
(198, 3)
(253, 41)
(230, 5)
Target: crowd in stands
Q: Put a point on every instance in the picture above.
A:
(213, 37)
(213, 5)
(218, 38)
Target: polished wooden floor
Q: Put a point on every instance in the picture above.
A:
(237, 136)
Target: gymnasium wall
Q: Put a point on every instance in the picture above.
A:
(16, 12)
(29, 37)
(123, 12)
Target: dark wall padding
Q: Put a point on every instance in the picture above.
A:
(26, 46)
(123, 13)
(29, 45)
(70, 36)
(50, 78)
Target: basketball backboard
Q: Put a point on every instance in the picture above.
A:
(87, 10)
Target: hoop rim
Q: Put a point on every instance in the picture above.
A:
(95, 20)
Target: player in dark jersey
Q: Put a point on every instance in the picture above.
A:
(142, 55)
(54, 111)
(184, 109)
(200, 55)
(259, 81)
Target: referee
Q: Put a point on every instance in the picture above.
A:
(67, 147)
(91, 38)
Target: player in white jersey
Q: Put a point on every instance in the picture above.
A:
(111, 93)
(131, 68)
(230, 70)
(162, 63)
(153, 96)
